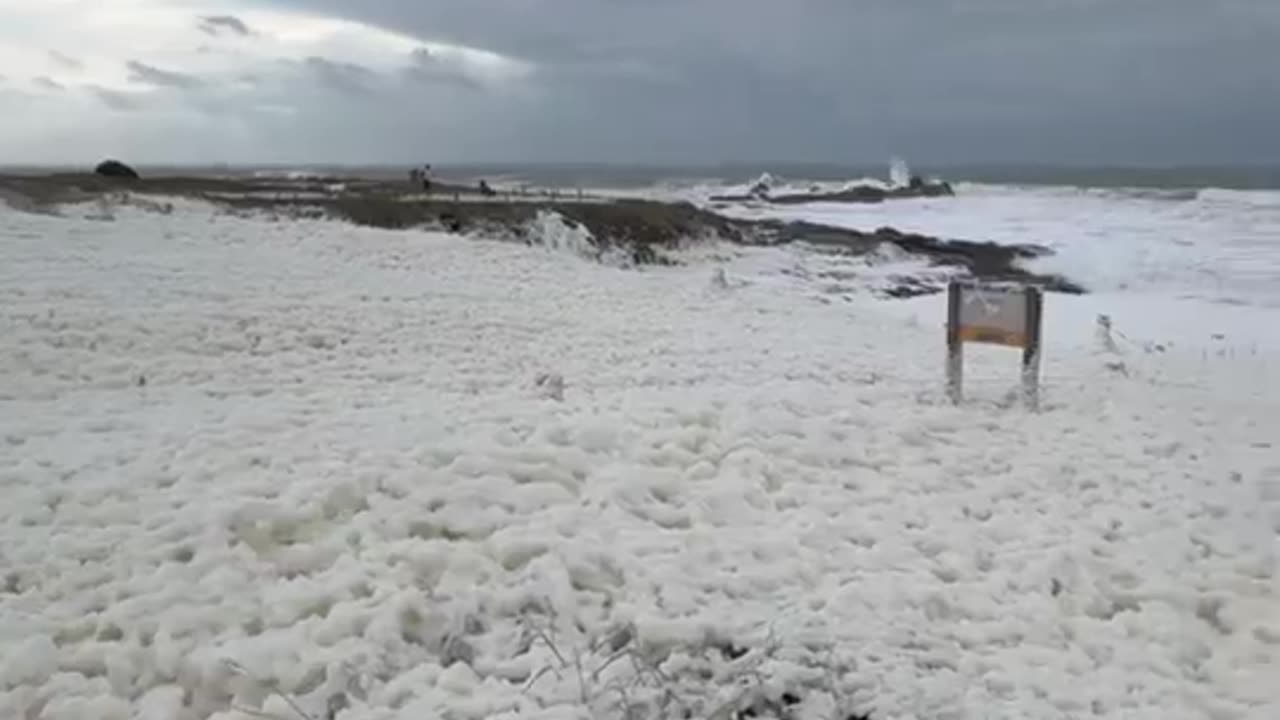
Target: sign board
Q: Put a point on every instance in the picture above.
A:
(1007, 315)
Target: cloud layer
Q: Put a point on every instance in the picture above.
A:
(664, 81)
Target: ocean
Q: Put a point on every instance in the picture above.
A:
(586, 175)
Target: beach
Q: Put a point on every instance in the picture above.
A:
(267, 463)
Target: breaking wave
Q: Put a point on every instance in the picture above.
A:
(289, 175)
(1253, 198)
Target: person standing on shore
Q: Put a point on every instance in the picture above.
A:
(421, 177)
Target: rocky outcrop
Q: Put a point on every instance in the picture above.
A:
(855, 194)
(115, 169)
(983, 260)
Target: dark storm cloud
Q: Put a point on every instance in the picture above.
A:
(218, 24)
(149, 75)
(950, 80)
(696, 81)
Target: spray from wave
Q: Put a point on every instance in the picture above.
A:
(899, 173)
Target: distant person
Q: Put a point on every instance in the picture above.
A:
(486, 190)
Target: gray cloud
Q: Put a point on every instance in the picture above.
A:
(218, 24)
(344, 77)
(426, 68)
(947, 80)
(149, 75)
(735, 81)
(66, 62)
(48, 83)
(114, 99)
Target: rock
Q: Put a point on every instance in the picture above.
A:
(985, 261)
(855, 194)
(929, 189)
(451, 222)
(918, 187)
(116, 169)
(904, 287)
(762, 187)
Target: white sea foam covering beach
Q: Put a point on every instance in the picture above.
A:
(244, 461)
(1216, 245)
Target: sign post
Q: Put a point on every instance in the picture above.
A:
(1007, 315)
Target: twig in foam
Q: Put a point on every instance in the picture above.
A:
(595, 676)
(540, 634)
(538, 676)
(582, 682)
(272, 686)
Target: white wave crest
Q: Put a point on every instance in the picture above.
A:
(1252, 198)
(288, 175)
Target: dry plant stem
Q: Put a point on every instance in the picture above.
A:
(241, 670)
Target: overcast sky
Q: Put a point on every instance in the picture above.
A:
(654, 81)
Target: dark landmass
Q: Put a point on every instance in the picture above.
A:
(855, 194)
(645, 231)
(115, 169)
(982, 260)
(865, 194)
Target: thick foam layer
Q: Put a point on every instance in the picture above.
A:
(408, 475)
(1219, 246)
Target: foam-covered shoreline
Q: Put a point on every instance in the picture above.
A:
(623, 230)
(311, 468)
